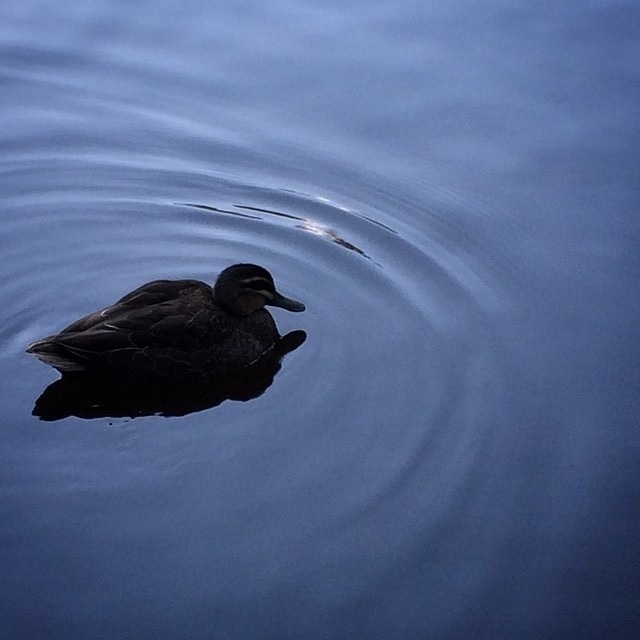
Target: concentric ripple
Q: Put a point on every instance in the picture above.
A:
(400, 366)
(447, 188)
(392, 399)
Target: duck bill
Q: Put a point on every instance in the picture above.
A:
(286, 303)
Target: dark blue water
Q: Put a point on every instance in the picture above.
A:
(452, 190)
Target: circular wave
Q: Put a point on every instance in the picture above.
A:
(400, 376)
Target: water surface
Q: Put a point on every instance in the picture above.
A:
(452, 192)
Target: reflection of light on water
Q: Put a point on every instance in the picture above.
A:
(333, 204)
(310, 226)
(315, 227)
(339, 207)
(330, 234)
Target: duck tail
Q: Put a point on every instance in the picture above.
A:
(55, 355)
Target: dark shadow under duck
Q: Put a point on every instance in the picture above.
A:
(182, 330)
(93, 395)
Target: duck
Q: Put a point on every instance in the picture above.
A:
(174, 329)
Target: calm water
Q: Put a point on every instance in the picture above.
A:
(452, 190)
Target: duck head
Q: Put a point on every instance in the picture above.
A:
(243, 289)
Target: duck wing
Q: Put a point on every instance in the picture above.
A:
(145, 297)
(165, 314)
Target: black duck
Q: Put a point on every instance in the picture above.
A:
(174, 329)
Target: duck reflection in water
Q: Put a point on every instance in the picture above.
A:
(98, 396)
(170, 340)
